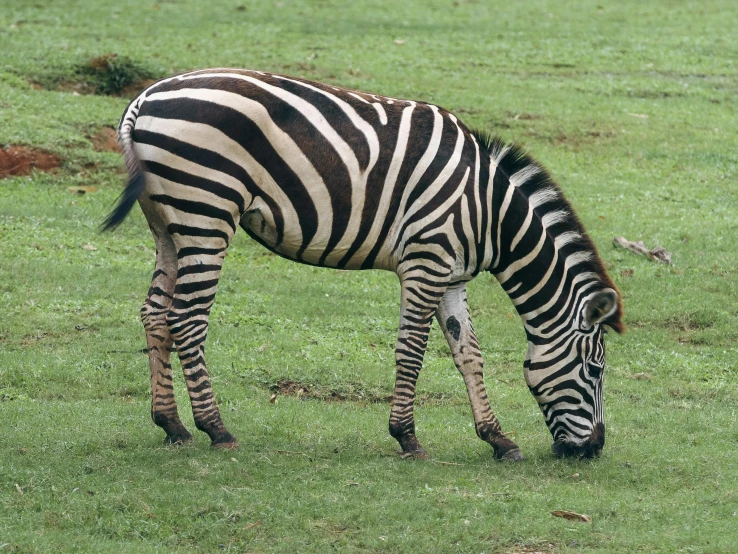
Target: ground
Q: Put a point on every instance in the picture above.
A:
(631, 106)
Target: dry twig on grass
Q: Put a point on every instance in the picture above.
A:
(573, 516)
(658, 253)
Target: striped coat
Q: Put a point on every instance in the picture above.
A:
(345, 179)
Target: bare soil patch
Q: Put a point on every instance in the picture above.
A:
(104, 140)
(288, 387)
(137, 86)
(109, 74)
(349, 393)
(21, 160)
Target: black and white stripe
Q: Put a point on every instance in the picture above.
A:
(340, 178)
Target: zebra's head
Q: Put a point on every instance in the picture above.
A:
(564, 372)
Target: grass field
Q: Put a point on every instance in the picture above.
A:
(632, 107)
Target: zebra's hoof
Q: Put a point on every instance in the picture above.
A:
(178, 439)
(225, 441)
(411, 448)
(505, 449)
(419, 454)
(514, 455)
(225, 445)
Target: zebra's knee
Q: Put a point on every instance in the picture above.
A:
(153, 316)
(176, 321)
(188, 332)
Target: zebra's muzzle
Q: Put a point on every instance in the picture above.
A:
(590, 448)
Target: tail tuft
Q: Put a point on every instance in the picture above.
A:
(126, 200)
(136, 169)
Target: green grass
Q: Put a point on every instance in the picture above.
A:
(632, 107)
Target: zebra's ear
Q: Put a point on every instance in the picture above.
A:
(602, 305)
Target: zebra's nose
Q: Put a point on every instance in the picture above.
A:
(588, 449)
(596, 441)
(597, 438)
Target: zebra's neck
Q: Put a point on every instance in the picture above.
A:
(543, 257)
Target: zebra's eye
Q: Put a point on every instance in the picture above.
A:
(594, 370)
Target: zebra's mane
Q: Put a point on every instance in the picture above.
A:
(550, 203)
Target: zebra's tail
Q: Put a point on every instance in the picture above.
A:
(135, 166)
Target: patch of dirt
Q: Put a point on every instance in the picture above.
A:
(21, 160)
(75, 87)
(109, 74)
(104, 140)
(297, 389)
(112, 74)
(134, 88)
(287, 387)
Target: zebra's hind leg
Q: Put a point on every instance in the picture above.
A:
(418, 304)
(159, 340)
(453, 316)
(199, 268)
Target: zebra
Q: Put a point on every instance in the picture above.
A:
(340, 178)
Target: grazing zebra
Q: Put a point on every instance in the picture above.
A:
(339, 178)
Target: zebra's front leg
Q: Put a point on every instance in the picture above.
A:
(418, 305)
(159, 342)
(194, 294)
(455, 320)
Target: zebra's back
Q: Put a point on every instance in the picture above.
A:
(320, 174)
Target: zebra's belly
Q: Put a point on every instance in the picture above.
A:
(288, 241)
